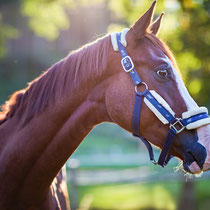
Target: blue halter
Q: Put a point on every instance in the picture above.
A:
(176, 125)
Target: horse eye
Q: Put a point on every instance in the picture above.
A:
(163, 73)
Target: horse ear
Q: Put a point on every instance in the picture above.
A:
(154, 28)
(141, 25)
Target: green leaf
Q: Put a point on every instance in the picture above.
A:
(46, 18)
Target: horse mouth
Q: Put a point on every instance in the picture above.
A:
(194, 159)
(191, 165)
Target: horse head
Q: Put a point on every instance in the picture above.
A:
(159, 92)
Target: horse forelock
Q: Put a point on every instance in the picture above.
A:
(79, 66)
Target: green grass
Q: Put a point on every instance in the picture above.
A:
(99, 144)
(130, 196)
(203, 195)
(145, 196)
(107, 138)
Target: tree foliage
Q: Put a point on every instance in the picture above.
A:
(46, 18)
(6, 32)
(195, 36)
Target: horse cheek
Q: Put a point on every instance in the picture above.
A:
(119, 104)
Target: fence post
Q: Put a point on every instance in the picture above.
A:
(187, 195)
(73, 183)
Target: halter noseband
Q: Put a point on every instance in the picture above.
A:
(190, 120)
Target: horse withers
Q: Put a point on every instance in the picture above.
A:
(128, 78)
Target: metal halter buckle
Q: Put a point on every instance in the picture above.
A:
(178, 123)
(153, 161)
(127, 63)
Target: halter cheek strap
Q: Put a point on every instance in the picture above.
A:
(190, 119)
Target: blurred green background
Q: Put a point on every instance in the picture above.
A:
(110, 169)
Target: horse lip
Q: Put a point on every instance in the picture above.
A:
(199, 153)
(195, 153)
(186, 167)
(187, 161)
(198, 160)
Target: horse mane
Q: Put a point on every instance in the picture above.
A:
(80, 65)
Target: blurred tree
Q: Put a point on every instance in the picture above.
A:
(187, 199)
(45, 18)
(194, 33)
(6, 32)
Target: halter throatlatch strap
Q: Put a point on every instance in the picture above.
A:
(190, 120)
(136, 127)
(164, 156)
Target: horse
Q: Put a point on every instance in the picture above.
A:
(43, 124)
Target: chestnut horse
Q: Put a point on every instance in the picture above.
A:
(42, 125)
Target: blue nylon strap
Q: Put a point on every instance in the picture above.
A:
(136, 125)
(167, 159)
(149, 148)
(136, 79)
(163, 158)
(195, 118)
(133, 73)
(136, 115)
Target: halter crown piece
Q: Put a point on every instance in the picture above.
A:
(190, 120)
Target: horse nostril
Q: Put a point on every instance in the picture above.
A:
(197, 153)
(189, 158)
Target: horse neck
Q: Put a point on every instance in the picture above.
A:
(43, 146)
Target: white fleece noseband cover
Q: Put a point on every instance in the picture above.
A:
(123, 39)
(162, 102)
(185, 115)
(193, 112)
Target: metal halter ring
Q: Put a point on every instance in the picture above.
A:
(141, 93)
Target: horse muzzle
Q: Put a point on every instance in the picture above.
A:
(194, 158)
